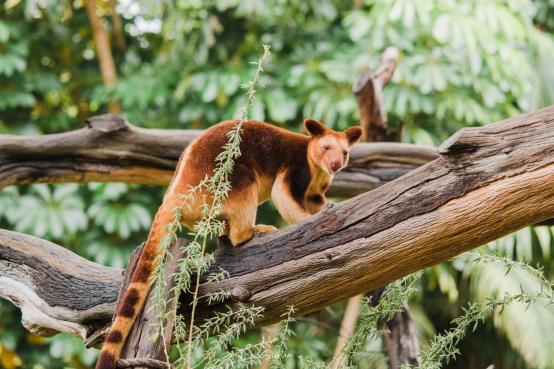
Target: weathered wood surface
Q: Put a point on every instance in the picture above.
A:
(489, 182)
(56, 290)
(112, 150)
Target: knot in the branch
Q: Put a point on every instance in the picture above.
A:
(240, 293)
(107, 123)
(327, 206)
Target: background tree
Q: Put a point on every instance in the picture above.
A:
(462, 63)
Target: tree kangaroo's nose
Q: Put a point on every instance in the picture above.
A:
(336, 164)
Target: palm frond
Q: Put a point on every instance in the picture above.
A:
(525, 326)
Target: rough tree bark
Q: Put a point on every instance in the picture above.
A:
(488, 182)
(56, 290)
(138, 345)
(112, 150)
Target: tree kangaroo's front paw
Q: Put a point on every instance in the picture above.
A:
(264, 228)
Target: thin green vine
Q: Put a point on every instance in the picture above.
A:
(195, 261)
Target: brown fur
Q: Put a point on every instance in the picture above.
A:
(293, 169)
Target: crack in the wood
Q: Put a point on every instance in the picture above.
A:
(383, 207)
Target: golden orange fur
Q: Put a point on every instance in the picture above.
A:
(293, 169)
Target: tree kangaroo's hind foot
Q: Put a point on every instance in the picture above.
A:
(240, 235)
(264, 228)
(246, 234)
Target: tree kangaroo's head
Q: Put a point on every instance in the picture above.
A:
(329, 149)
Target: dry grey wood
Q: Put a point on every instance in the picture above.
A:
(489, 182)
(138, 345)
(56, 290)
(112, 150)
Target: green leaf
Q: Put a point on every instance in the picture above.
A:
(4, 32)
(282, 106)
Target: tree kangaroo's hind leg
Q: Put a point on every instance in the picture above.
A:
(240, 215)
(289, 207)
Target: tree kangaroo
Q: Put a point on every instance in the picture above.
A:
(293, 169)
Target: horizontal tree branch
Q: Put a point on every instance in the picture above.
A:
(112, 150)
(489, 181)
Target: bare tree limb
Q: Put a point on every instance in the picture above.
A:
(368, 89)
(56, 290)
(489, 181)
(347, 328)
(112, 150)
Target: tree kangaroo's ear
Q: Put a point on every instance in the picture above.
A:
(314, 128)
(353, 135)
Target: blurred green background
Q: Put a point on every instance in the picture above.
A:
(463, 63)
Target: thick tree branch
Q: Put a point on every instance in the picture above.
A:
(489, 182)
(56, 290)
(401, 338)
(112, 150)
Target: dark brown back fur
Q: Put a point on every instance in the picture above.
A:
(265, 149)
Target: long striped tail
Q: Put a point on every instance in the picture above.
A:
(139, 287)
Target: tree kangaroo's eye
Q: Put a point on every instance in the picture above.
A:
(326, 147)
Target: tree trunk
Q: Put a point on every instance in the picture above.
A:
(369, 96)
(401, 341)
(401, 344)
(269, 333)
(347, 327)
(105, 58)
(118, 36)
